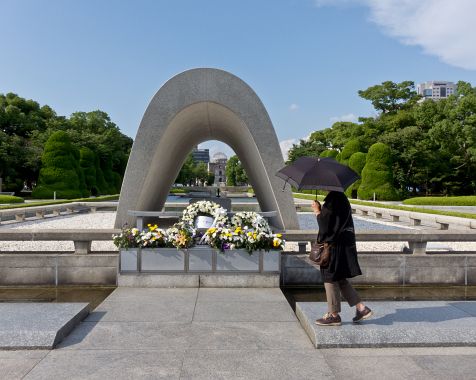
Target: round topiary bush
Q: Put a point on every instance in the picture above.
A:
(329, 153)
(58, 170)
(351, 147)
(377, 175)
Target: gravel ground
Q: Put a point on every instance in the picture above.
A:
(106, 220)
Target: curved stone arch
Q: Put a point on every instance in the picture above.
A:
(192, 107)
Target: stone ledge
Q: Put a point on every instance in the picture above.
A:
(38, 325)
(257, 280)
(215, 280)
(394, 324)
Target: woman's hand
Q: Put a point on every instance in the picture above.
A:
(316, 207)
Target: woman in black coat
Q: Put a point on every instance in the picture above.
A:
(336, 227)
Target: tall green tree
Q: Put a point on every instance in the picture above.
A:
(186, 174)
(235, 173)
(390, 96)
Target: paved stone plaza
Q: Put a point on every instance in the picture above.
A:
(217, 334)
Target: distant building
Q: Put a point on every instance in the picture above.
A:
(201, 155)
(436, 89)
(217, 167)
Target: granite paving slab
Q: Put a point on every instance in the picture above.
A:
(446, 367)
(16, 364)
(123, 293)
(376, 367)
(255, 364)
(38, 325)
(394, 324)
(108, 364)
(169, 309)
(248, 336)
(244, 312)
(240, 295)
(128, 336)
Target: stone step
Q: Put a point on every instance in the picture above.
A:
(38, 325)
(394, 324)
(188, 280)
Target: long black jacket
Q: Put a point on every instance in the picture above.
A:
(337, 227)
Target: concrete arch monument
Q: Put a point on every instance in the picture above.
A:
(192, 107)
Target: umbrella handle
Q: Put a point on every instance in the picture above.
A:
(284, 186)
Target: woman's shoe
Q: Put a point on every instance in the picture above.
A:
(329, 320)
(361, 315)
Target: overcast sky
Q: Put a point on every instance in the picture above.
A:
(306, 59)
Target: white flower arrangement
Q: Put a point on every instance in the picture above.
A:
(212, 209)
(155, 237)
(247, 230)
(249, 220)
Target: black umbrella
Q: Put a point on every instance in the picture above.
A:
(318, 174)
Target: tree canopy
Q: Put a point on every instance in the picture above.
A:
(25, 127)
(432, 144)
(235, 173)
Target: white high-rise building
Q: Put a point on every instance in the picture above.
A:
(436, 89)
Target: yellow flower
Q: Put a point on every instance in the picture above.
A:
(276, 243)
(279, 235)
(238, 230)
(254, 236)
(181, 240)
(211, 230)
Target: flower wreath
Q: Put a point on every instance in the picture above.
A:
(205, 208)
(250, 220)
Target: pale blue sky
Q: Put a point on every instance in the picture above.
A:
(306, 59)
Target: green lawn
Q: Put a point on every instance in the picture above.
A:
(62, 201)
(394, 207)
(469, 200)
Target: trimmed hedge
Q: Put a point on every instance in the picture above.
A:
(100, 181)
(469, 200)
(46, 203)
(377, 176)
(87, 162)
(10, 199)
(109, 178)
(59, 171)
(356, 163)
(352, 146)
(329, 153)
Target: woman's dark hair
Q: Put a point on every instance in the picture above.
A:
(335, 198)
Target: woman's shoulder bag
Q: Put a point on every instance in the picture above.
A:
(321, 252)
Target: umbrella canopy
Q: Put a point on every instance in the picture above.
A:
(318, 174)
